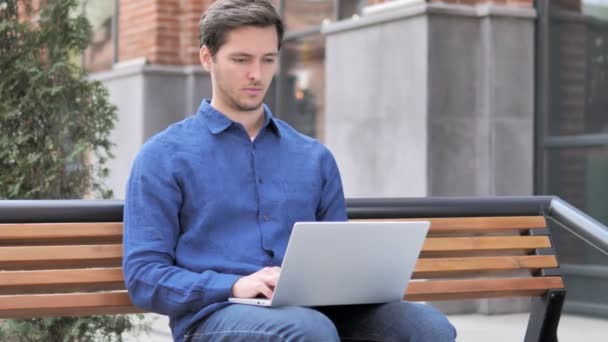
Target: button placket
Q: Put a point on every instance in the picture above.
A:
(265, 217)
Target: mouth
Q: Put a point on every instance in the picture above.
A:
(253, 91)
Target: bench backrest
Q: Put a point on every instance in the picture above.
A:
(485, 257)
(74, 269)
(61, 269)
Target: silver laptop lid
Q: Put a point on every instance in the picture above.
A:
(339, 263)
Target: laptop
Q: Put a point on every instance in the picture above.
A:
(342, 263)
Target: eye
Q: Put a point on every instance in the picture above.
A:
(269, 60)
(239, 60)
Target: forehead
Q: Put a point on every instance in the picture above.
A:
(251, 40)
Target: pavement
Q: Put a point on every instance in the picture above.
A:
(512, 327)
(470, 327)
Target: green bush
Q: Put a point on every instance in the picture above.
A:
(55, 123)
(68, 329)
(54, 136)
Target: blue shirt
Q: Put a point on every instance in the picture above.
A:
(205, 205)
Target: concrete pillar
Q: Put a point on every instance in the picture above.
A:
(432, 99)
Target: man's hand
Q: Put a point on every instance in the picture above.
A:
(261, 282)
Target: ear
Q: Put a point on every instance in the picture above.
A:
(206, 58)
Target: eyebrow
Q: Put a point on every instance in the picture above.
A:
(243, 54)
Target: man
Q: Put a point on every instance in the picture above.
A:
(211, 202)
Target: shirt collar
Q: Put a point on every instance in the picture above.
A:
(218, 122)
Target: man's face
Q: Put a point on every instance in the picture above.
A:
(242, 69)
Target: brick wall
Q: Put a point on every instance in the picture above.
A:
(137, 29)
(166, 31)
(191, 11)
(163, 31)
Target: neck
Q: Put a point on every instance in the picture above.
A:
(251, 120)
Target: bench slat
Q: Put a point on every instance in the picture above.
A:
(436, 267)
(481, 288)
(59, 231)
(72, 304)
(55, 256)
(477, 224)
(486, 243)
(113, 230)
(12, 279)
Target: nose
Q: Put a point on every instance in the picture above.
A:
(255, 71)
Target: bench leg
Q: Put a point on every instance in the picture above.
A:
(544, 317)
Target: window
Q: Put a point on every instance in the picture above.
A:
(574, 126)
(572, 135)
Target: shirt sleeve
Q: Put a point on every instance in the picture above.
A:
(332, 206)
(151, 231)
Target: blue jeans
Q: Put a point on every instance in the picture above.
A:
(396, 321)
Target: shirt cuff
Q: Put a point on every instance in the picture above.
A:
(223, 283)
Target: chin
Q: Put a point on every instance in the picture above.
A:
(250, 106)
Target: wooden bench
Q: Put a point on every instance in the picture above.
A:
(53, 263)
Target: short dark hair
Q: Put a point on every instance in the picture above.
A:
(224, 16)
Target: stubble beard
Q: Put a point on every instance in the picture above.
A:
(234, 102)
(244, 107)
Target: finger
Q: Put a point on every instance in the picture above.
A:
(265, 291)
(272, 281)
(271, 276)
(265, 270)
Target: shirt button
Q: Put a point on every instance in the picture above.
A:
(261, 181)
(266, 217)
